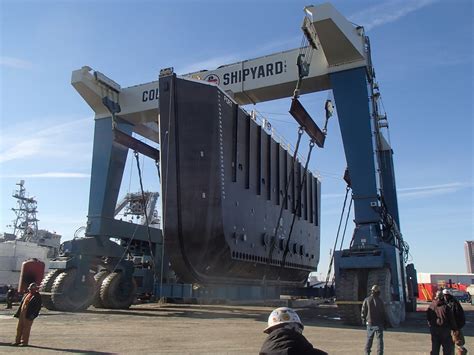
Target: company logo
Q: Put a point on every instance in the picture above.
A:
(212, 78)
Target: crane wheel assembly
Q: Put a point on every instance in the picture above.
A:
(61, 291)
(99, 278)
(46, 286)
(70, 296)
(117, 291)
(351, 289)
(393, 309)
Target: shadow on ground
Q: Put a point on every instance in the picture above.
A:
(322, 316)
(74, 351)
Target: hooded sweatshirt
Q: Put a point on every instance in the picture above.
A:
(287, 341)
(439, 314)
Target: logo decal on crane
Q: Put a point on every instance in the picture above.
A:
(212, 78)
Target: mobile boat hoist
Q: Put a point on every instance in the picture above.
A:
(239, 209)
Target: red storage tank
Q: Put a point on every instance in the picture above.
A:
(32, 270)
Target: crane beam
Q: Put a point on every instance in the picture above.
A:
(340, 47)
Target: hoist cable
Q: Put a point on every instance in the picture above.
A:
(157, 164)
(345, 226)
(144, 201)
(344, 232)
(131, 174)
(297, 210)
(127, 248)
(284, 202)
(337, 237)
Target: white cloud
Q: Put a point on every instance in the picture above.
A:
(214, 63)
(331, 196)
(418, 191)
(23, 149)
(32, 140)
(59, 175)
(387, 12)
(208, 64)
(16, 63)
(280, 44)
(434, 187)
(431, 190)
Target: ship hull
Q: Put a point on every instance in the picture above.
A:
(223, 188)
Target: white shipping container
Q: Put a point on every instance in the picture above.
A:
(12, 256)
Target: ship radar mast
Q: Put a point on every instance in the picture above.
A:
(25, 226)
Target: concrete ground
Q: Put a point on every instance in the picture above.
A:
(203, 329)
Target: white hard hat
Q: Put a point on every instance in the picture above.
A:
(375, 288)
(280, 316)
(446, 291)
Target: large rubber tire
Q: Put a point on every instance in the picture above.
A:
(347, 290)
(70, 297)
(99, 278)
(410, 305)
(395, 310)
(118, 291)
(46, 286)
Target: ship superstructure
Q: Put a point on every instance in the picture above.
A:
(26, 241)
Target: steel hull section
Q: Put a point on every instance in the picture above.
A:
(223, 185)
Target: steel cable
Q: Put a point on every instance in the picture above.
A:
(298, 204)
(337, 237)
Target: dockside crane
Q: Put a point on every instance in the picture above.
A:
(337, 57)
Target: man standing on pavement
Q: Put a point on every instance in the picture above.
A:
(441, 321)
(459, 318)
(374, 317)
(29, 309)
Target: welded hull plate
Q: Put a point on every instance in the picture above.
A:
(223, 185)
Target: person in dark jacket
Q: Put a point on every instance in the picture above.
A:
(10, 297)
(460, 319)
(29, 309)
(374, 317)
(441, 322)
(285, 335)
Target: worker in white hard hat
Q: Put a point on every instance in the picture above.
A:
(27, 311)
(457, 336)
(374, 318)
(285, 335)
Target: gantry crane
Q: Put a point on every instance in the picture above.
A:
(241, 171)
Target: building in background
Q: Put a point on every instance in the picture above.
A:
(429, 283)
(469, 250)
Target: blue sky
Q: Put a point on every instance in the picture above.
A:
(423, 57)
